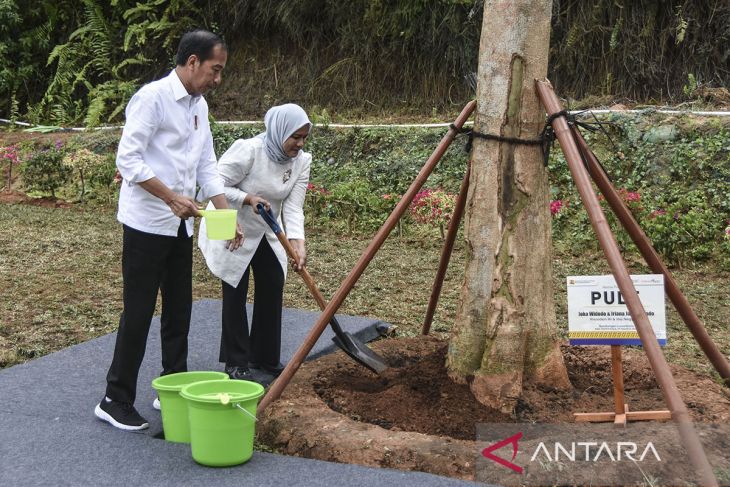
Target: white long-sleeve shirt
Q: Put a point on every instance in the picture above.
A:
(166, 135)
(245, 168)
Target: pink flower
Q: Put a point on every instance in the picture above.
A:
(556, 206)
(629, 196)
(10, 153)
(432, 206)
(657, 213)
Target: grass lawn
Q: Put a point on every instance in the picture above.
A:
(60, 275)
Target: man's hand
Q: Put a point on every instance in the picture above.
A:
(253, 200)
(183, 207)
(237, 241)
(301, 251)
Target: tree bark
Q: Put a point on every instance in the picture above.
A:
(505, 330)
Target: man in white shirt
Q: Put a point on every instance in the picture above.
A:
(166, 150)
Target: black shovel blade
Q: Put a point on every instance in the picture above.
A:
(359, 352)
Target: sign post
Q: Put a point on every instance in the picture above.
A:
(597, 315)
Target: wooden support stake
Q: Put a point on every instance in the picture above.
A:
(447, 250)
(658, 362)
(618, 385)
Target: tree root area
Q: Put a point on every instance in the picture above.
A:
(413, 417)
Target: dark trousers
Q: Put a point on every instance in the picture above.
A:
(263, 344)
(152, 263)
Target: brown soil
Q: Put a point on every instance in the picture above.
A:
(414, 417)
(18, 197)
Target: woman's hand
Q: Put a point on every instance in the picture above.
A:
(236, 241)
(301, 251)
(253, 201)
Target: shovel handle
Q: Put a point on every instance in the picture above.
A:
(271, 221)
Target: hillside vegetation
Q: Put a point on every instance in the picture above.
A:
(79, 61)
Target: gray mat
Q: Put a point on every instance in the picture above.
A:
(50, 436)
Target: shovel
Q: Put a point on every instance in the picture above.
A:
(351, 345)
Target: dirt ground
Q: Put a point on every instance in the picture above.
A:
(11, 196)
(414, 418)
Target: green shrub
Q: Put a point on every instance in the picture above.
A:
(676, 189)
(358, 204)
(102, 175)
(687, 230)
(679, 187)
(44, 170)
(82, 161)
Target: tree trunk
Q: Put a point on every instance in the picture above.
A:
(505, 330)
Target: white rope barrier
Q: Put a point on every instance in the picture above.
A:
(645, 111)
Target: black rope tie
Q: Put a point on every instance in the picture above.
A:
(545, 140)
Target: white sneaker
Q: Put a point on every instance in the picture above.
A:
(156, 403)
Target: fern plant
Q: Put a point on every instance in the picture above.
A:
(116, 45)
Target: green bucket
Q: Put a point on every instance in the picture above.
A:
(222, 420)
(220, 224)
(174, 408)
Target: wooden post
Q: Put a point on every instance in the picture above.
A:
(621, 414)
(446, 251)
(618, 385)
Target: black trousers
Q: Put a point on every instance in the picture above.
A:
(151, 263)
(263, 344)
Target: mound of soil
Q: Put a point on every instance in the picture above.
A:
(414, 417)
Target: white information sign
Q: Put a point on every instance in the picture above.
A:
(598, 315)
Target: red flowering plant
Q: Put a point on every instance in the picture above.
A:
(632, 199)
(571, 222)
(556, 206)
(10, 156)
(317, 198)
(433, 207)
(313, 189)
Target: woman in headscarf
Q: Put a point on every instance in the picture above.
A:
(271, 169)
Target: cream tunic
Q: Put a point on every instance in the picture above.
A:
(245, 168)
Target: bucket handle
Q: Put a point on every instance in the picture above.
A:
(246, 411)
